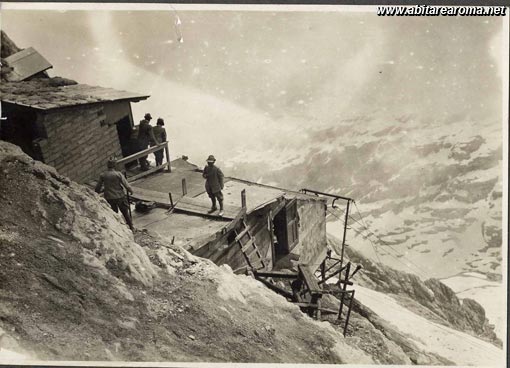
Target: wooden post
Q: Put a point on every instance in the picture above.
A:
(243, 198)
(184, 188)
(171, 199)
(351, 295)
(128, 199)
(344, 291)
(167, 154)
(345, 233)
(323, 271)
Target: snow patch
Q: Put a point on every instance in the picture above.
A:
(459, 347)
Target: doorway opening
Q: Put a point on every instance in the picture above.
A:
(285, 230)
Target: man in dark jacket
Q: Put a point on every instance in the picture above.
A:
(145, 137)
(114, 185)
(160, 136)
(214, 184)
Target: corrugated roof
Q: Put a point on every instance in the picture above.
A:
(41, 94)
(25, 64)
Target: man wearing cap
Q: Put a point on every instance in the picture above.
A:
(145, 136)
(114, 185)
(214, 184)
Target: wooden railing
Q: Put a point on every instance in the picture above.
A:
(146, 152)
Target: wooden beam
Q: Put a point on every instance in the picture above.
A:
(160, 199)
(145, 173)
(243, 198)
(275, 288)
(167, 155)
(241, 234)
(276, 274)
(339, 271)
(247, 245)
(310, 280)
(232, 225)
(143, 153)
(278, 208)
(184, 187)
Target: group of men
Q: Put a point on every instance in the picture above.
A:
(150, 136)
(115, 183)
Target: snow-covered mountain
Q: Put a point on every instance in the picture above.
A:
(429, 190)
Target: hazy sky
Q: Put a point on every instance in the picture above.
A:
(284, 66)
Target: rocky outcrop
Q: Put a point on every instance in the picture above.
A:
(466, 315)
(439, 301)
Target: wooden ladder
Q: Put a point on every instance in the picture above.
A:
(246, 242)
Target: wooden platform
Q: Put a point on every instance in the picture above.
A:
(201, 206)
(166, 182)
(256, 195)
(161, 199)
(190, 232)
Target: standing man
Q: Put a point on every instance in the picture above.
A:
(213, 184)
(145, 136)
(114, 185)
(160, 136)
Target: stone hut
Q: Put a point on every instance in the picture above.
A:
(73, 127)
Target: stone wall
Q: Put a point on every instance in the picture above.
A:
(79, 142)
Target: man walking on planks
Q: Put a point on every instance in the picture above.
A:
(114, 185)
(214, 184)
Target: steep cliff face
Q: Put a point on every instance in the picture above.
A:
(430, 298)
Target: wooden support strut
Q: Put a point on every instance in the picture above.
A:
(344, 291)
(275, 288)
(345, 232)
(337, 272)
(145, 152)
(348, 312)
(145, 173)
(184, 187)
(167, 155)
(276, 274)
(243, 198)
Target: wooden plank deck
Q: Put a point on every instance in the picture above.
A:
(201, 206)
(256, 196)
(161, 199)
(165, 182)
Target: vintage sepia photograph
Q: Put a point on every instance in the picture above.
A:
(184, 183)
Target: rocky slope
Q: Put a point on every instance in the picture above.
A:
(76, 284)
(430, 298)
